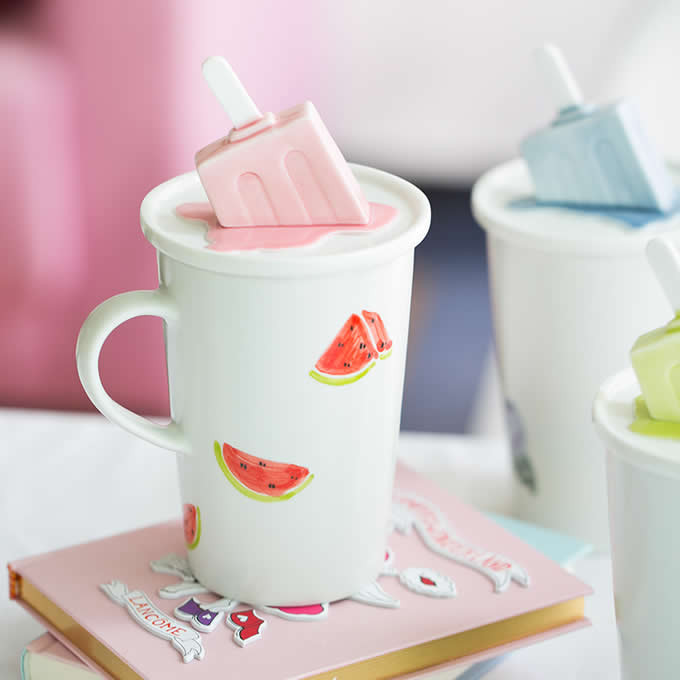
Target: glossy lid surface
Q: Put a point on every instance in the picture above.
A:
(185, 240)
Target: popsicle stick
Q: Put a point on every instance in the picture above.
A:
(664, 258)
(230, 92)
(560, 81)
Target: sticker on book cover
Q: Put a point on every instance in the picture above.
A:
(388, 563)
(175, 565)
(373, 594)
(438, 535)
(184, 639)
(247, 625)
(428, 582)
(401, 519)
(204, 617)
(309, 612)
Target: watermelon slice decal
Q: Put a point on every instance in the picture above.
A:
(354, 350)
(382, 340)
(427, 582)
(310, 612)
(192, 525)
(262, 480)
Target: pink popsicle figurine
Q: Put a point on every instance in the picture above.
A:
(270, 169)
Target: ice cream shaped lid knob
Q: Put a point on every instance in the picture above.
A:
(275, 170)
(664, 259)
(560, 81)
(230, 92)
(593, 157)
(656, 355)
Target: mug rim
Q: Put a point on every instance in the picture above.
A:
(260, 263)
(653, 454)
(493, 189)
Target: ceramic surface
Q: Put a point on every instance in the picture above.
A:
(570, 294)
(294, 510)
(643, 478)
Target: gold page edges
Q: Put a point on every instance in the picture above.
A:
(400, 662)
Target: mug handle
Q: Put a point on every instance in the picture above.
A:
(97, 327)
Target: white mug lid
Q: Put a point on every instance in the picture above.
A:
(185, 240)
(613, 414)
(555, 229)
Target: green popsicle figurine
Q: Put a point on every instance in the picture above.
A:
(656, 355)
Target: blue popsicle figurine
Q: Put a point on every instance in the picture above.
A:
(594, 156)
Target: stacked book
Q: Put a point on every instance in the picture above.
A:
(458, 590)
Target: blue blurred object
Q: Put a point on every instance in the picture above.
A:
(594, 157)
(479, 670)
(450, 333)
(631, 217)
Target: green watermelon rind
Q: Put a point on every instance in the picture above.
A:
(263, 498)
(387, 355)
(194, 544)
(340, 379)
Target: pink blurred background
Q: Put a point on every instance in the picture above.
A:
(102, 100)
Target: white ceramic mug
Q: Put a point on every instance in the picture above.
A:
(570, 293)
(643, 478)
(286, 480)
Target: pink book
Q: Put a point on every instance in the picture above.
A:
(456, 588)
(46, 658)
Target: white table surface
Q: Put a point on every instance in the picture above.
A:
(69, 478)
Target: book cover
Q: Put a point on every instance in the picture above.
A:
(456, 588)
(45, 658)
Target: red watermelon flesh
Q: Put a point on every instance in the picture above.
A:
(351, 350)
(382, 340)
(190, 523)
(263, 476)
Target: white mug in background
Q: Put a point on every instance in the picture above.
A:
(643, 478)
(570, 293)
(286, 480)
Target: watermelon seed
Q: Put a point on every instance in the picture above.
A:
(372, 319)
(382, 344)
(369, 355)
(351, 328)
